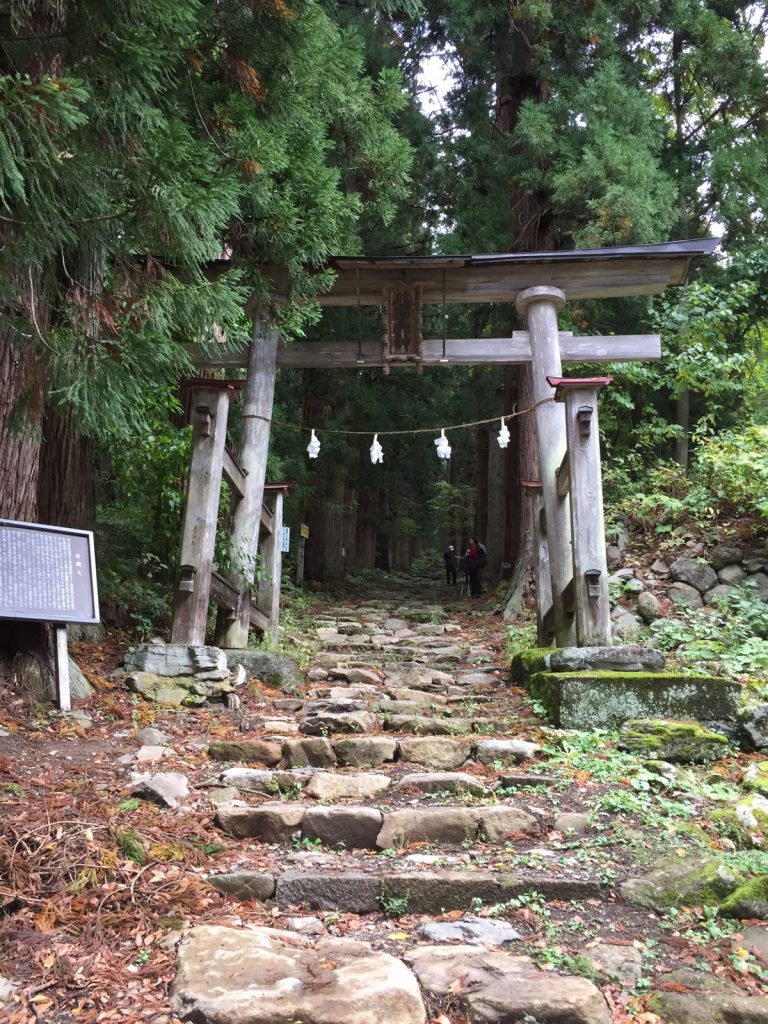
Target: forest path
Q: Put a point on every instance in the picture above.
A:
(396, 838)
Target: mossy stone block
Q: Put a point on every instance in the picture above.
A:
(756, 777)
(689, 881)
(748, 901)
(526, 663)
(677, 742)
(605, 700)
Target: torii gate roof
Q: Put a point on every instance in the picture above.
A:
(498, 277)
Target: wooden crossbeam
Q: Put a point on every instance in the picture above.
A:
(234, 476)
(613, 348)
(224, 594)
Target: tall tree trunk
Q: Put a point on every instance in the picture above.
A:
(21, 403)
(67, 482)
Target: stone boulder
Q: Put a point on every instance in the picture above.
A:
(754, 725)
(169, 789)
(175, 659)
(476, 931)
(721, 590)
(443, 782)
(270, 823)
(706, 999)
(759, 583)
(695, 573)
(682, 595)
(506, 751)
(676, 742)
(725, 554)
(252, 751)
(494, 986)
(691, 881)
(275, 669)
(314, 753)
(354, 828)
(245, 885)
(269, 976)
(330, 786)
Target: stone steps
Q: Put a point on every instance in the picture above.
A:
(388, 891)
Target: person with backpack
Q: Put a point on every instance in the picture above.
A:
(477, 559)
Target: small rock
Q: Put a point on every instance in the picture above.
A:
(151, 737)
(306, 925)
(317, 675)
(506, 751)
(759, 583)
(571, 821)
(755, 563)
(477, 931)
(168, 789)
(622, 964)
(660, 568)
(223, 794)
(395, 624)
(753, 938)
(325, 717)
(626, 626)
(152, 753)
(364, 677)
(696, 574)
(613, 555)
(755, 726)
(7, 991)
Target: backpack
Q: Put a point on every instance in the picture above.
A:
(482, 556)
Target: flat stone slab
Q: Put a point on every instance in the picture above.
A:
(605, 700)
(472, 930)
(495, 986)
(424, 892)
(269, 976)
(354, 828)
(453, 825)
(626, 658)
(331, 786)
(443, 782)
(365, 751)
(266, 752)
(174, 659)
(245, 885)
(315, 752)
(271, 822)
(675, 742)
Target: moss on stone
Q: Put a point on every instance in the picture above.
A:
(683, 883)
(749, 900)
(677, 742)
(604, 700)
(527, 663)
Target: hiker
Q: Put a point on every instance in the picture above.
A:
(449, 558)
(477, 559)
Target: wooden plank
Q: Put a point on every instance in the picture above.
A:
(593, 611)
(61, 668)
(568, 597)
(257, 398)
(563, 477)
(201, 508)
(459, 351)
(266, 518)
(234, 476)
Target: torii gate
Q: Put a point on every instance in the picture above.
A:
(571, 570)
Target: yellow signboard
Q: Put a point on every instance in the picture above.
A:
(305, 531)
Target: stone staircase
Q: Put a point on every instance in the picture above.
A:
(407, 781)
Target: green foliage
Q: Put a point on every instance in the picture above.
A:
(734, 465)
(131, 845)
(733, 642)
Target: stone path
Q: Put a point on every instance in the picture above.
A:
(403, 790)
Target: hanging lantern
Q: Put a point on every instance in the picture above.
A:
(313, 448)
(503, 437)
(443, 448)
(377, 452)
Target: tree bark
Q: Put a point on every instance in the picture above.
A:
(21, 402)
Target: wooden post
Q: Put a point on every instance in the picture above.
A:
(540, 305)
(590, 567)
(542, 577)
(271, 569)
(61, 661)
(210, 407)
(300, 545)
(257, 398)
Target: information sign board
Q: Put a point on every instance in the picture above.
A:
(285, 540)
(305, 531)
(47, 573)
